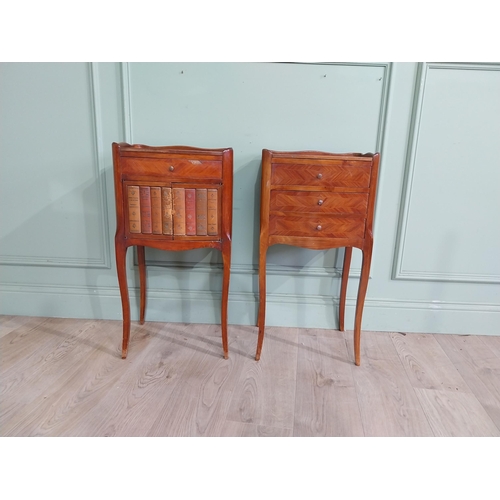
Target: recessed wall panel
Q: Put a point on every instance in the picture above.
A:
(451, 228)
(52, 201)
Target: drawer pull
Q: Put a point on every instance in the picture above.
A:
(171, 168)
(318, 227)
(320, 202)
(320, 176)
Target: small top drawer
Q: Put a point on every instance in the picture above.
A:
(171, 168)
(334, 173)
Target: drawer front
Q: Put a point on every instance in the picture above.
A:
(171, 168)
(337, 173)
(320, 226)
(319, 201)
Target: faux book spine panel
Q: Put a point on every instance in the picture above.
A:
(181, 211)
(134, 209)
(212, 214)
(145, 195)
(201, 212)
(179, 199)
(190, 212)
(166, 198)
(156, 210)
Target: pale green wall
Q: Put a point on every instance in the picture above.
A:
(436, 263)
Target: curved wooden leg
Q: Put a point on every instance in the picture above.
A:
(141, 258)
(343, 286)
(261, 320)
(360, 302)
(121, 254)
(226, 262)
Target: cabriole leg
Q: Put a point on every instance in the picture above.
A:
(121, 254)
(262, 301)
(226, 260)
(141, 258)
(363, 285)
(343, 287)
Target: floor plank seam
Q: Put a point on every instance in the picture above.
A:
(471, 390)
(424, 413)
(355, 385)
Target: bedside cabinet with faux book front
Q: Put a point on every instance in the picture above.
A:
(171, 198)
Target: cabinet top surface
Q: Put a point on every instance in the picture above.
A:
(368, 157)
(126, 149)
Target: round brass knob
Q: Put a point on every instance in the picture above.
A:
(320, 202)
(318, 227)
(171, 168)
(320, 176)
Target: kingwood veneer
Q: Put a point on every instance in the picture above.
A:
(318, 200)
(171, 167)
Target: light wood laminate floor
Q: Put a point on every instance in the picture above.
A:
(65, 377)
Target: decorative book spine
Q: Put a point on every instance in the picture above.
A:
(212, 214)
(166, 199)
(179, 211)
(190, 212)
(201, 212)
(134, 209)
(145, 193)
(156, 210)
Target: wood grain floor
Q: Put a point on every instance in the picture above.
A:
(65, 377)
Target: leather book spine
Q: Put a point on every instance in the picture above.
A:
(134, 209)
(145, 194)
(166, 202)
(190, 212)
(212, 215)
(156, 210)
(179, 198)
(201, 212)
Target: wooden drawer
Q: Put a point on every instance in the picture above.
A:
(320, 226)
(319, 201)
(170, 168)
(337, 173)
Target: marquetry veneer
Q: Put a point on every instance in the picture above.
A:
(318, 200)
(174, 167)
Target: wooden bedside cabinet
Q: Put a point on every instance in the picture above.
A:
(171, 198)
(319, 201)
